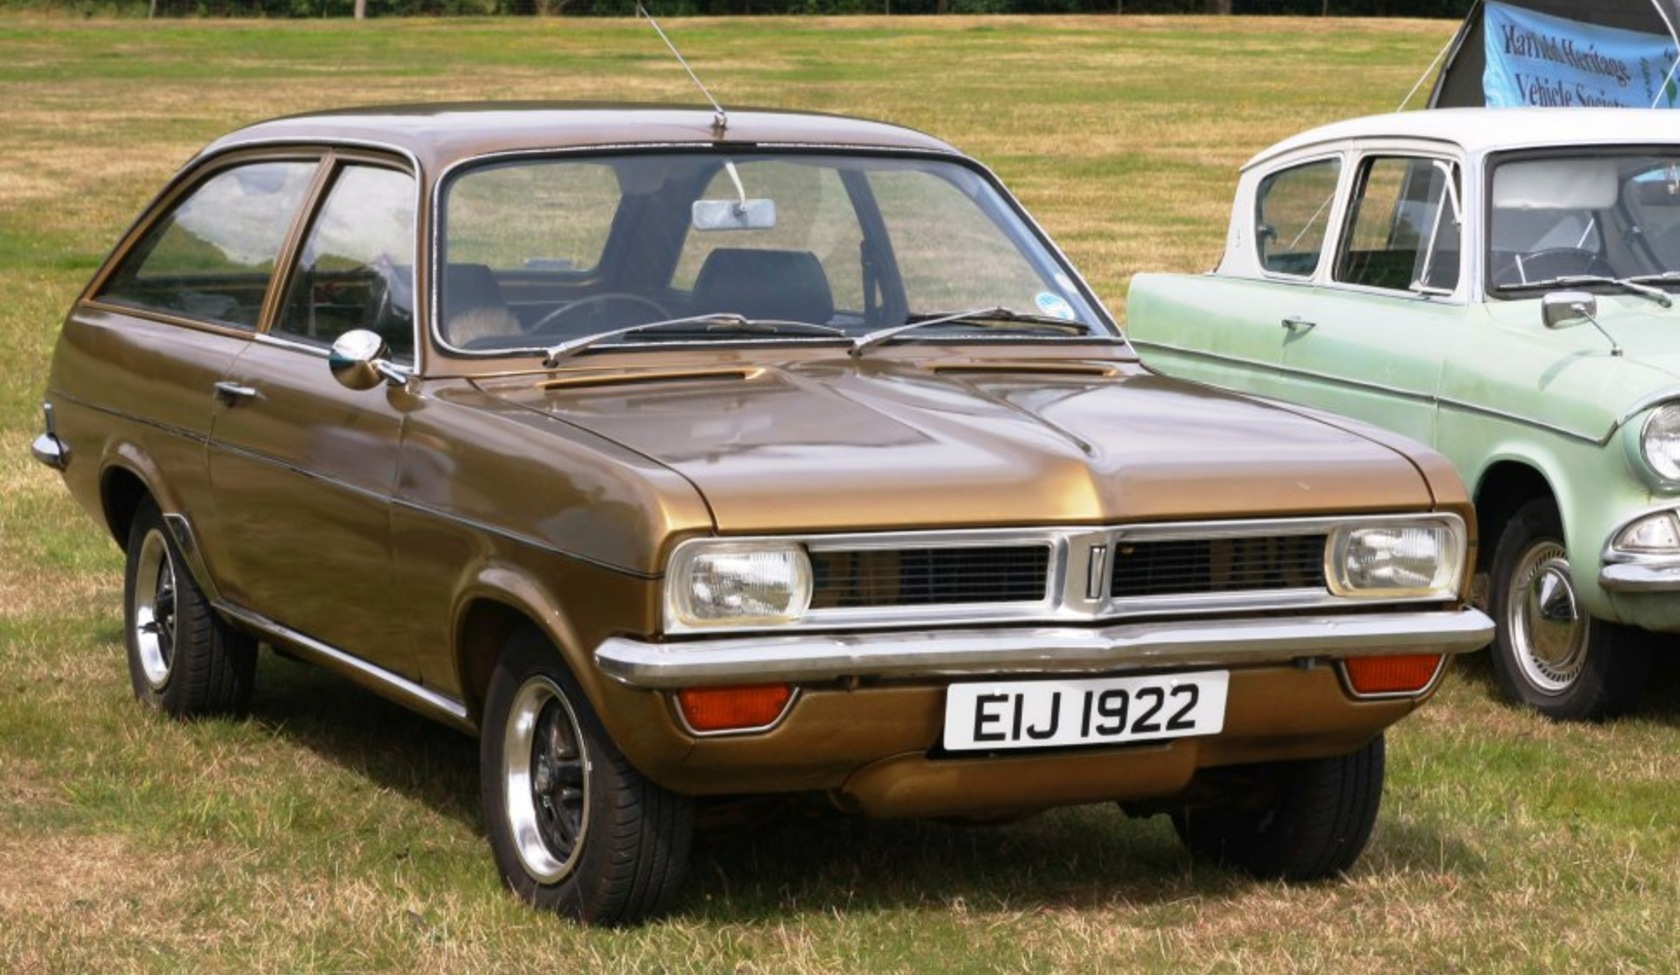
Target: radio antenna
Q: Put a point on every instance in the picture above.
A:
(720, 118)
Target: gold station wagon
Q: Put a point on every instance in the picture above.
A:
(680, 455)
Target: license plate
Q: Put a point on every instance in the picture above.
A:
(1103, 711)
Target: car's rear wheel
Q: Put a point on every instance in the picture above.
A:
(1301, 820)
(183, 659)
(1549, 654)
(574, 828)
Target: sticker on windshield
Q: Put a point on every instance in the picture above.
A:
(1055, 306)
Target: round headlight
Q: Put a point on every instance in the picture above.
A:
(1413, 559)
(1659, 442)
(736, 584)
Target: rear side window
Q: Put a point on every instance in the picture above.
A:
(1402, 232)
(1292, 217)
(211, 257)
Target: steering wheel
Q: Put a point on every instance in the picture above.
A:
(594, 304)
(1553, 262)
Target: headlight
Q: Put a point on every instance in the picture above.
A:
(1659, 442)
(1409, 559)
(737, 583)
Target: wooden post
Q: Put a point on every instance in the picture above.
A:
(361, 9)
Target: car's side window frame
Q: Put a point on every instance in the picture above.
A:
(1451, 205)
(1331, 212)
(334, 162)
(165, 206)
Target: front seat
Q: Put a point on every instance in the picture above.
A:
(764, 285)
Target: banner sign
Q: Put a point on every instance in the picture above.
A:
(1537, 60)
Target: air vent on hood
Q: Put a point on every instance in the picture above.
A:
(652, 376)
(1028, 368)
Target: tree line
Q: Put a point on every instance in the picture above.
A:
(720, 8)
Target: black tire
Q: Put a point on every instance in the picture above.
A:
(1547, 654)
(183, 659)
(573, 827)
(1311, 819)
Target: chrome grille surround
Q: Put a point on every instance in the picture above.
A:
(1078, 576)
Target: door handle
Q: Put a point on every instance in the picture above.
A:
(233, 394)
(1298, 326)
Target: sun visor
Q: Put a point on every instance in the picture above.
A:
(1555, 184)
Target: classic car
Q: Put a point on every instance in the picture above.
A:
(1497, 283)
(681, 455)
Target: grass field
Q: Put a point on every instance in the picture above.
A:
(330, 832)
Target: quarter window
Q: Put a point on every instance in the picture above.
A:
(212, 256)
(356, 269)
(1402, 230)
(1292, 217)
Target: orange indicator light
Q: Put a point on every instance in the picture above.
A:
(733, 708)
(1399, 674)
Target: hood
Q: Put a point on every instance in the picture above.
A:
(881, 444)
(1587, 390)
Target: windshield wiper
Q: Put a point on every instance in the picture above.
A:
(722, 323)
(995, 317)
(1657, 295)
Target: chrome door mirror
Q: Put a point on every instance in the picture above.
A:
(358, 360)
(1561, 309)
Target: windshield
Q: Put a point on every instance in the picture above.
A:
(1599, 215)
(538, 253)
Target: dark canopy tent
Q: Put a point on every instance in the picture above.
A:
(1460, 81)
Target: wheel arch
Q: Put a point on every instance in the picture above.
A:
(121, 492)
(1503, 489)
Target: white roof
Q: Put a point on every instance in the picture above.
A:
(1481, 130)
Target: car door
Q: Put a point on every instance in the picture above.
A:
(302, 467)
(174, 308)
(1231, 330)
(1372, 343)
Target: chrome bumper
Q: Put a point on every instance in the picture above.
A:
(1640, 577)
(47, 448)
(1120, 648)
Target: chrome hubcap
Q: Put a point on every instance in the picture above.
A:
(154, 610)
(1549, 633)
(545, 781)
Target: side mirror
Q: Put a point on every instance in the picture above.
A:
(358, 361)
(1561, 309)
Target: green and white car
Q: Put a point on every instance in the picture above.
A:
(1500, 284)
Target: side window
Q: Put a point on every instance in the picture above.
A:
(212, 256)
(1402, 229)
(1292, 216)
(356, 267)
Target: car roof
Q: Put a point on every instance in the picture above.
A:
(440, 134)
(1483, 130)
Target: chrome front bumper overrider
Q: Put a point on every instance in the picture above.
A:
(1640, 577)
(47, 448)
(1119, 648)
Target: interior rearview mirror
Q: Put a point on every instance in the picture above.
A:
(733, 214)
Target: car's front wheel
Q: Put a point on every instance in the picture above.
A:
(574, 828)
(183, 659)
(1302, 820)
(1549, 654)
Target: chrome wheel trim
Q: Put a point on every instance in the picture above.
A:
(154, 611)
(1548, 632)
(545, 781)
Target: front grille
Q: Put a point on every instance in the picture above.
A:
(1192, 566)
(870, 578)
